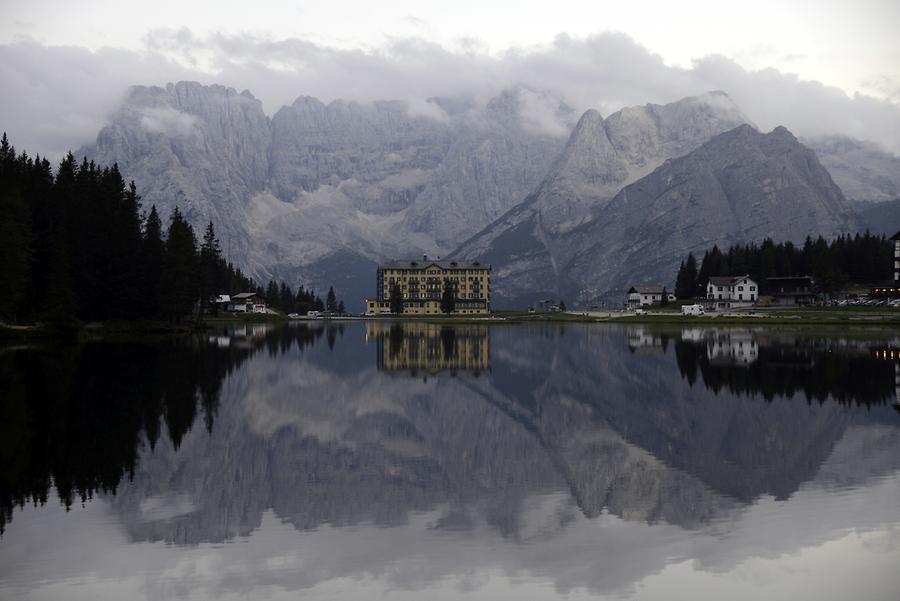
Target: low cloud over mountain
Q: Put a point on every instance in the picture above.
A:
(57, 97)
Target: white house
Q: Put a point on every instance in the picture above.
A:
(641, 296)
(730, 292)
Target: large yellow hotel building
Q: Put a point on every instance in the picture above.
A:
(422, 284)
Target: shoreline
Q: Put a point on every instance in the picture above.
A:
(801, 318)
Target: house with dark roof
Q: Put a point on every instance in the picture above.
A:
(731, 292)
(246, 302)
(642, 296)
(792, 290)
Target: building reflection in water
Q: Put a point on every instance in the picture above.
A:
(622, 447)
(431, 347)
(892, 355)
(734, 347)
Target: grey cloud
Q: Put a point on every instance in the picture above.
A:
(165, 119)
(59, 97)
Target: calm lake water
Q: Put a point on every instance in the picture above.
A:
(420, 461)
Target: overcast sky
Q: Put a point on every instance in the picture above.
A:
(816, 66)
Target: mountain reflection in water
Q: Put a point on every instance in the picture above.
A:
(192, 441)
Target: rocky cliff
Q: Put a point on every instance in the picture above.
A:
(740, 186)
(862, 170)
(320, 192)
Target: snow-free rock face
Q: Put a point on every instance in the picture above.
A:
(600, 157)
(320, 193)
(862, 170)
(201, 148)
(344, 184)
(740, 186)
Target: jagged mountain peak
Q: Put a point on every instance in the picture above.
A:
(742, 185)
(737, 186)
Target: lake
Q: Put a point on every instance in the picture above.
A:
(410, 460)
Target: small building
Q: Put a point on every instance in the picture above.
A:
(794, 290)
(896, 240)
(246, 302)
(642, 296)
(731, 292)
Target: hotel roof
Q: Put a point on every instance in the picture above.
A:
(422, 264)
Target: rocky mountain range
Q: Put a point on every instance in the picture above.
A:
(862, 170)
(740, 185)
(319, 193)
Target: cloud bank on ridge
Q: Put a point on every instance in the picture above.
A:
(58, 97)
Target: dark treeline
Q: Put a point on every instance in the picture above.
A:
(76, 417)
(863, 259)
(76, 245)
(785, 371)
(280, 296)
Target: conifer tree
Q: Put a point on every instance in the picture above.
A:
(686, 281)
(448, 298)
(396, 299)
(152, 261)
(15, 251)
(331, 300)
(180, 274)
(210, 264)
(272, 295)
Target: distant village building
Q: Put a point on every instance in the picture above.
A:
(896, 240)
(731, 292)
(796, 290)
(641, 296)
(892, 290)
(246, 302)
(421, 285)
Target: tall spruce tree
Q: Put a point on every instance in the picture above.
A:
(210, 267)
(448, 298)
(686, 281)
(180, 274)
(331, 300)
(396, 299)
(15, 251)
(152, 264)
(15, 235)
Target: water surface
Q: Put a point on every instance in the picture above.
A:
(413, 460)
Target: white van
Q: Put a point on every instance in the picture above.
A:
(692, 309)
